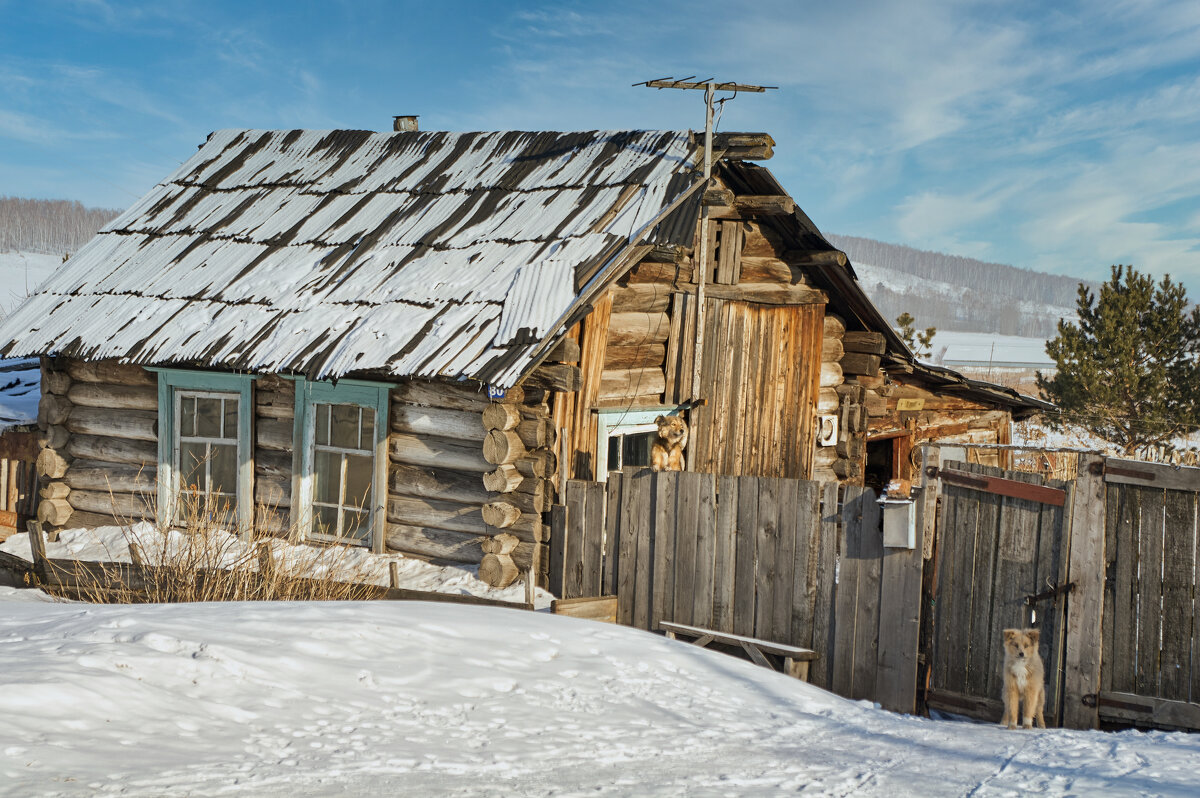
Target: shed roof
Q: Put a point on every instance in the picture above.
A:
(331, 252)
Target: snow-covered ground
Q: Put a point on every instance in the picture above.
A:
(431, 699)
(20, 275)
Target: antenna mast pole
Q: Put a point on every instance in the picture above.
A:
(710, 88)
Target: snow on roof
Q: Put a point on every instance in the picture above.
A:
(330, 252)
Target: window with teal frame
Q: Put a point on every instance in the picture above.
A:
(625, 437)
(205, 451)
(342, 477)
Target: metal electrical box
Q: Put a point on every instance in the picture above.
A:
(899, 523)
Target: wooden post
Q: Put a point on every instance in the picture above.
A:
(927, 509)
(1085, 610)
(37, 549)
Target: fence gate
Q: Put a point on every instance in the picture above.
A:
(1151, 632)
(1001, 561)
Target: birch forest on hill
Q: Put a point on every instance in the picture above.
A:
(52, 227)
(973, 296)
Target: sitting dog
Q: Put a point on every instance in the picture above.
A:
(1024, 678)
(667, 452)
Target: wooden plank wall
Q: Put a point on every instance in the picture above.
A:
(754, 556)
(992, 551)
(762, 369)
(1151, 630)
(877, 611)
(735, 554)
(577, 540)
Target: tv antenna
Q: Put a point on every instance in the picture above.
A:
(710, 88)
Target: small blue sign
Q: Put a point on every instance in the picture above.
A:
(496, 393)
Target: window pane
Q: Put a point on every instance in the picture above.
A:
(327, 476)
(614, 453)
(231, 419)
(187, 416)
(635, 449)
(208, 417)
(192, 457)
(355, 525)
(325, 520)
(358, 480)
(345, 426)
(367, 441)
(223, 468)
(322, 425)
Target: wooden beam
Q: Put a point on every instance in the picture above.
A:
(1003, 487)
(1154, 475)
(562, 377)
(859, 363)
(1147, 711)
(808, 257)
(718, 196)
(565, 351)
(767, 294)
(870, 343)
(1081, 682)
(745, 205)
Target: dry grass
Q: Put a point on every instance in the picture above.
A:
(201, 559)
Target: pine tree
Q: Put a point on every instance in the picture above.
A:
(1128, 371)
(921, 343)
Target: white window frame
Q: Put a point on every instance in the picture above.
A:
(369, 395)
(172, 385)
(619, 421)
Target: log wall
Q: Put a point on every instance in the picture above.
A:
(937, 417)
(99, 436)
(464, 469)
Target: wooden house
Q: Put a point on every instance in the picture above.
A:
(407, 340)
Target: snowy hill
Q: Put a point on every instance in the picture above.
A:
(20, 275)
(403, 698)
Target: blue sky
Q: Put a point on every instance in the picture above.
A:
(1058, 136)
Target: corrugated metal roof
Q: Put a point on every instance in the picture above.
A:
(331, 252)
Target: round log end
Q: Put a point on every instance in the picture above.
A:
(500, 514)
(51, 464)
(504, 479)
(54, 512)
(498, 570)
(501, 416)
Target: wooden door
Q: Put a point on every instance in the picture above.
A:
(759, 378)
(999, 559)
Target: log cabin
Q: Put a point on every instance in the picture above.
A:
(407, 340)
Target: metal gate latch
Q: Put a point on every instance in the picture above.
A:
(1053, 592)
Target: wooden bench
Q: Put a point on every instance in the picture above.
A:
(795, 659)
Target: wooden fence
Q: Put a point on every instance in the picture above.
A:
(1151, 632)
(18, 480)
(752, 556)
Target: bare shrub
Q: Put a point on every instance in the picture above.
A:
(203, 559)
